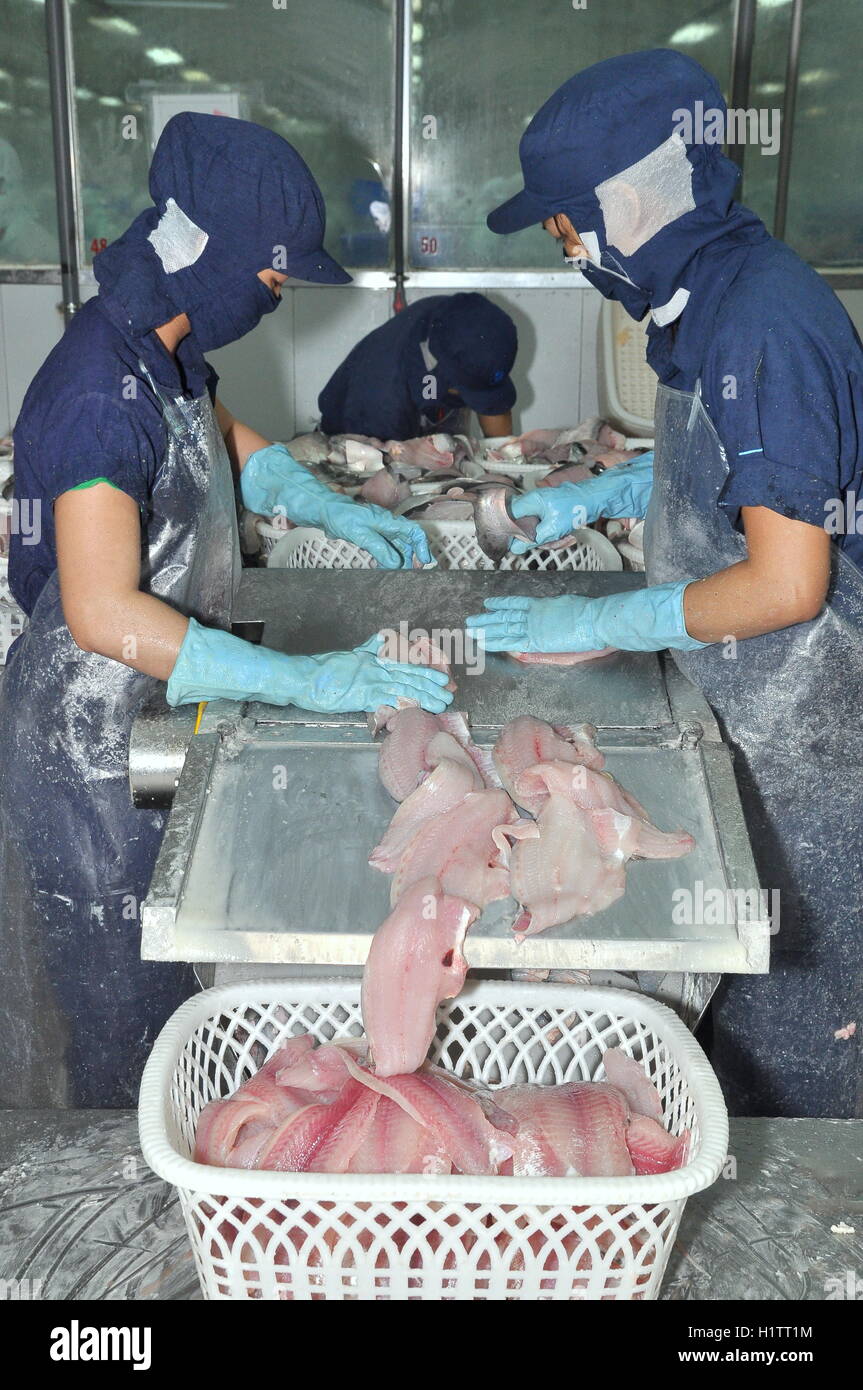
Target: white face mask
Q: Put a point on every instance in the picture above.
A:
(590, 242)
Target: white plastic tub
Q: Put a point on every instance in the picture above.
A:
(316, 1235)
(453, 545)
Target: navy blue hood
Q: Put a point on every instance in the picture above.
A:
(596, 127)
(230, 199)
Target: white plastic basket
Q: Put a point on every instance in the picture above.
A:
(306, 1236)
(453, 545)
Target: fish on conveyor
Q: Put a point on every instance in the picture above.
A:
(525, 741)
(460, 850)
(415, 961)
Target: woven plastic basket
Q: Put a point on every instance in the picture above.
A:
(453, 545)
(306, 1236)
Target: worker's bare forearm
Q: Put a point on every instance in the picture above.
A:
(99, 566)
(496, 426)
(783, 581)
(240, 440)
(136, 629)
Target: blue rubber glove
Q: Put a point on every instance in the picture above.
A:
(215, 665)
(621, 491)
(643, 620)
(272, 482)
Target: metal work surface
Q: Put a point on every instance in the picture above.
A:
(265, 854)
(332, 610)
(82, 1217)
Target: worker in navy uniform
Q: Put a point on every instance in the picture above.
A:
(754, 578)
(129, 457)
(424, 371)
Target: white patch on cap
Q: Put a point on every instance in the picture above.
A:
(649, 195)
(177, 240)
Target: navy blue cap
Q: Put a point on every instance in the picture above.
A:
(475, 343)
(248, 188)
(598, 123)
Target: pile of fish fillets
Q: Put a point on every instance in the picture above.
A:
(321, 1109)
(458, 842)
(438, 476)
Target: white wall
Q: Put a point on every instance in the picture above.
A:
(272, 378)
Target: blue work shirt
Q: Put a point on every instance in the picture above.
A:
(90, 413)
(378, 389)
(781, 372)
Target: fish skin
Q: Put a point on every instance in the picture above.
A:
(628, 1076)
(526, 741)
(445, 787)
(459, 850)
(415, 960)
(575, 1128)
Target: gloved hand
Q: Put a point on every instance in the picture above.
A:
(273, 482)
(215, 665)
(643, 620)
(620, 491)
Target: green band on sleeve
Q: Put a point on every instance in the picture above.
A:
(92, 483)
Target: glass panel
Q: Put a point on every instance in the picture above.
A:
(28, 218)
(767, 96)
(482, 70)
(824, 223)
(318, 74)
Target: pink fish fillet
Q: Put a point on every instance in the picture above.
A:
(566, 473)
(629, 1077)
(396, 1143)
(459, 849)
(525, 741)
(557, 870)
(456, 725)
(451, 1113)
(560, 658)
(402, 761)
(620, 823)
(429, 452)
(415, 960)
(444, 788)
(653, 1149)
(575, 1129)
(415, 649)
(384, 490)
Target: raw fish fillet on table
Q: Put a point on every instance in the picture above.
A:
(415, 960)
(415, 649)
(402, 762)
(442, 790)
(570, 861)
(461, 850)
(560, 658)
(526, 741)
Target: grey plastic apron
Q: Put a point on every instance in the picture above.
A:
(78, 856)
(790, 705)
